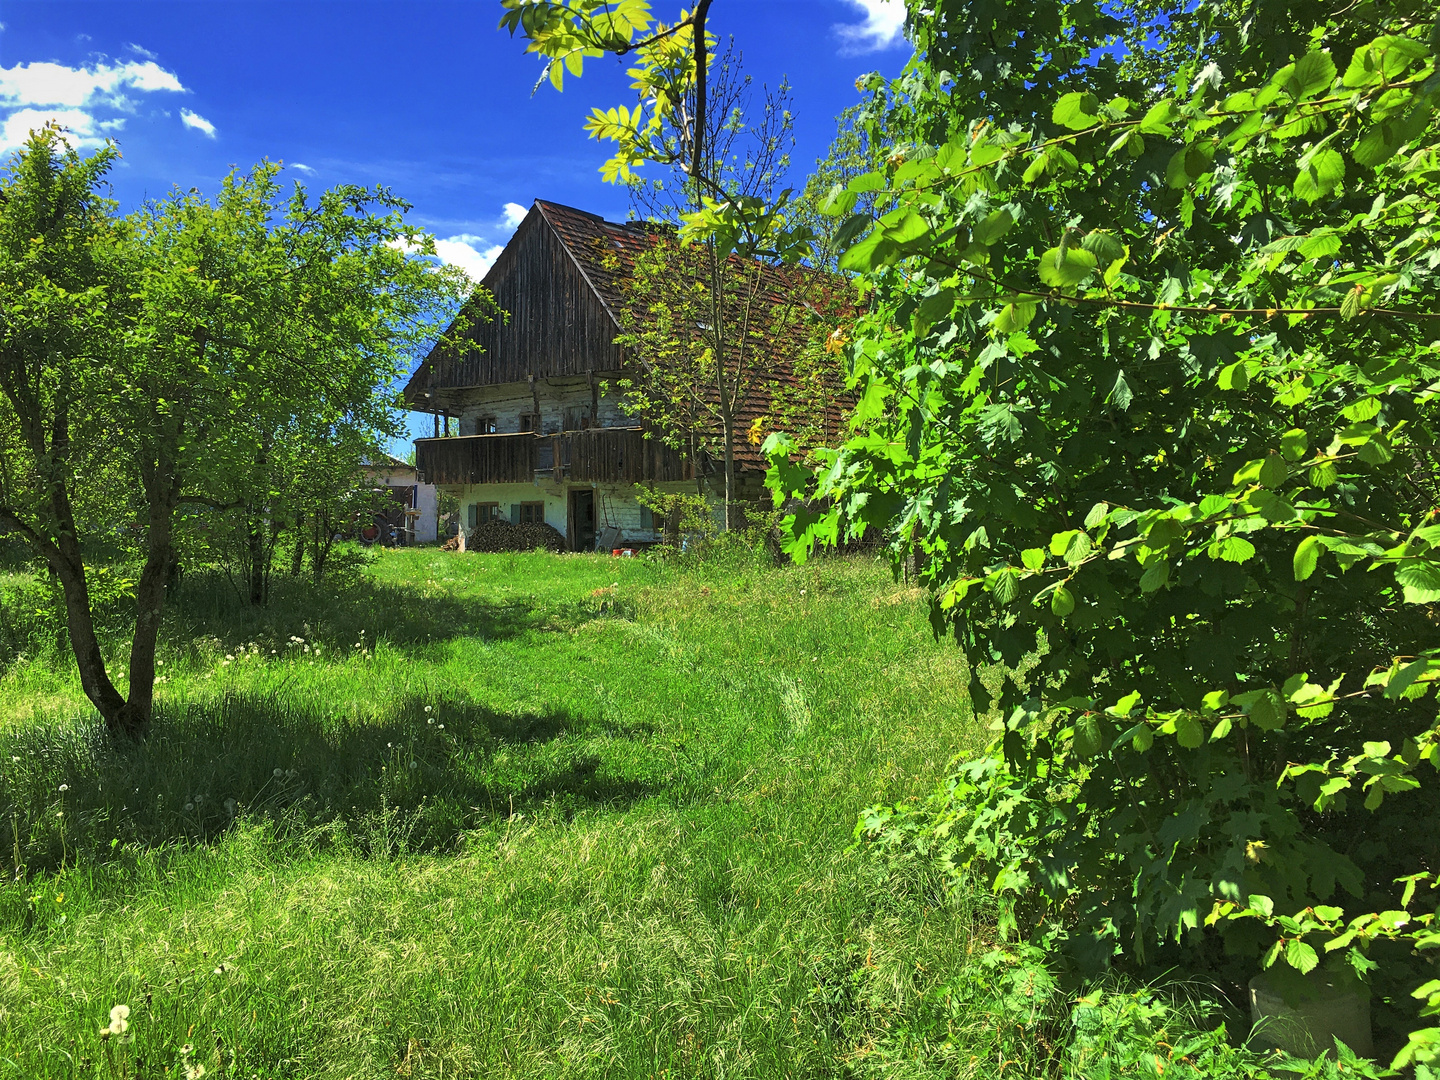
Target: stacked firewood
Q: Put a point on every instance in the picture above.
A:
(500, 535)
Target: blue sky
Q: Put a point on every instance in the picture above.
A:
(424, 96)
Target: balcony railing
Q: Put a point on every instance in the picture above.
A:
(593, 455)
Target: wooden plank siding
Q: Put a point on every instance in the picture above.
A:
(606, 455)
(597, 455)
(557, 325)
(477, 459)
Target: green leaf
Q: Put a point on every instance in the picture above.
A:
(1385, 58)
(1294, 443)
(1157, 121)
(998, 423)
(1144, 738)
(996, 225)
(1319, 245)
(839, 200)
(1104, 245)
(871, 253)
(1321, 172)
(1062, 602)
(1188, 732)
(1420, 578)
(1089, 738)
(1267, 712)
(1077, 111)
(908, 229)
(1314, 71)
(1004, 585)
(1033, 558)
(1155, 575)
(1065, 269)
(1234, 376)
(1234, 549)
(1273, 471)
(1036, 169)
(1300, 956)
(1307, 557)
(1015, 316)
(871, 181)
(984, 152)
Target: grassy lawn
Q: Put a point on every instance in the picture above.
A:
(491, 815)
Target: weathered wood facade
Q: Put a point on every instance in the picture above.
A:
(556, 324)
(597, 455)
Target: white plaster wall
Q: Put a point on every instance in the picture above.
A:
(615, 504)
(427, 501)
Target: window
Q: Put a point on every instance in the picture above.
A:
(482, 513)
(647, 519)
(485, 425)
(528, 513)
(529, 421)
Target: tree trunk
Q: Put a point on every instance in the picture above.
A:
(255, 556)
(94, 679)
(297, 556)
(729, 473)
(163, 492)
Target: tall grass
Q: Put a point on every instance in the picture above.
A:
(504, 816)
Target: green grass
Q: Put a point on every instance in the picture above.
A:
(626, 853)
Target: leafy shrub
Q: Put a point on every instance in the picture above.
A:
(1147, 384)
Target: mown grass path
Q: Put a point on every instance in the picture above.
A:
(527, 816)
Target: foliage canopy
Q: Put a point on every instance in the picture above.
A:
(1147, 388)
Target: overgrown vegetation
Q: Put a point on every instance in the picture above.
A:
(523, 815)
(1147, 391)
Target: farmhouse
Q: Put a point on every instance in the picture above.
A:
(541, 432)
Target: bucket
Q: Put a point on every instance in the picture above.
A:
(1313, 1012)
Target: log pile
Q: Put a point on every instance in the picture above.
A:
(502, 536)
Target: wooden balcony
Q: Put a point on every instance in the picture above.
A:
(593, 455)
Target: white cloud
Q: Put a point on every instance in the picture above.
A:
(883, 27)
(198, 122)
(300, 166)
(32, 95)
(16, 127)
(57, 85)
(465, 252)
(142, 52)
(515, 213)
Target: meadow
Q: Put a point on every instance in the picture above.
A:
(498, 815)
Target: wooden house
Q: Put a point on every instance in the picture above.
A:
(541, 436)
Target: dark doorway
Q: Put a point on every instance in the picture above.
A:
(582, 519)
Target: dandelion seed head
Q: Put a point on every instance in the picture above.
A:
(119, 1020)
(64, 787)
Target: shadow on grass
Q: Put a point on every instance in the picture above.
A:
(415, 781)
(408, 617)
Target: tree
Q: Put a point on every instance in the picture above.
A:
(167, 337)
(705, 329)
(670, 119)
(1146, 380)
